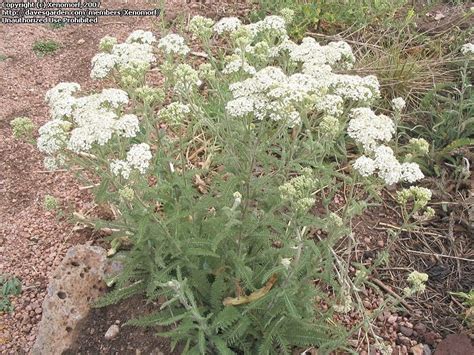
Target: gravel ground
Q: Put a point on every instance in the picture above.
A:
(33, 240)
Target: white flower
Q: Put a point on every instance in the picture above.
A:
(52, 136)
(187, 79)
(201, 26)
(369, 129)
(286, 262)
(140, 36)
(61, 90)
(365, 166)
(102, 64)
(389, 169)
(120, 167)
(173, 44)
(329, 104)
(240, 107)
(174, 113)
(114, 97)
(128, 55)
(468, 49)
(139, 156)
(275, 25)
(355, 88)
(236, 64)
(127, 126)
(50, 163)
(60, 99)
(311, 52)
(411, 172)
(398, 104)
(287, 14)
(227, 24)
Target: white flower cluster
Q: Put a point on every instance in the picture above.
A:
(53, 136)
(137, 51)
(140, 36)
(201, 26)
(78, 123)
(236, 64)
(187, 79)
(398, 104)
(272, 94)
(174, 113)
(369, 129)
(312, 53)
(173, 44)
(227, 25)
(387, 166)
(60, 99)
(273, 25)
(287, 14)
(138, 158)
(468, 49)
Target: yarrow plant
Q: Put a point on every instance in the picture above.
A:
(221, 176)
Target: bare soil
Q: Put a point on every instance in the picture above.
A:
(130, 340)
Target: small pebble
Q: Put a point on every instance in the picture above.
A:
(112, 332)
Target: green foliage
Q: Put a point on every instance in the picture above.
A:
(3, 57)
(42, 48)
(468, 301)
(10, 286)
(448, 113)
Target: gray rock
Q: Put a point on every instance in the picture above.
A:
(112, 332)
(406, 331)
(426, 350)
(74, 286)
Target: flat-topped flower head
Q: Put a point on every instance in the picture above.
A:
(369, 129)
(187, 79)
(53, 136)
(102, 65)
(173, 44)
(133, 54)
(141, 36)
(114, 98)
(411, 172)
(419, 146)
(227, 25)
(201, 26)
(127, 126)
(174, 113)
(287, 14)
(389, 169)
(139, 156)
(398, 104)
(365, 166)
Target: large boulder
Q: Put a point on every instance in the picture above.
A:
(74, 286)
